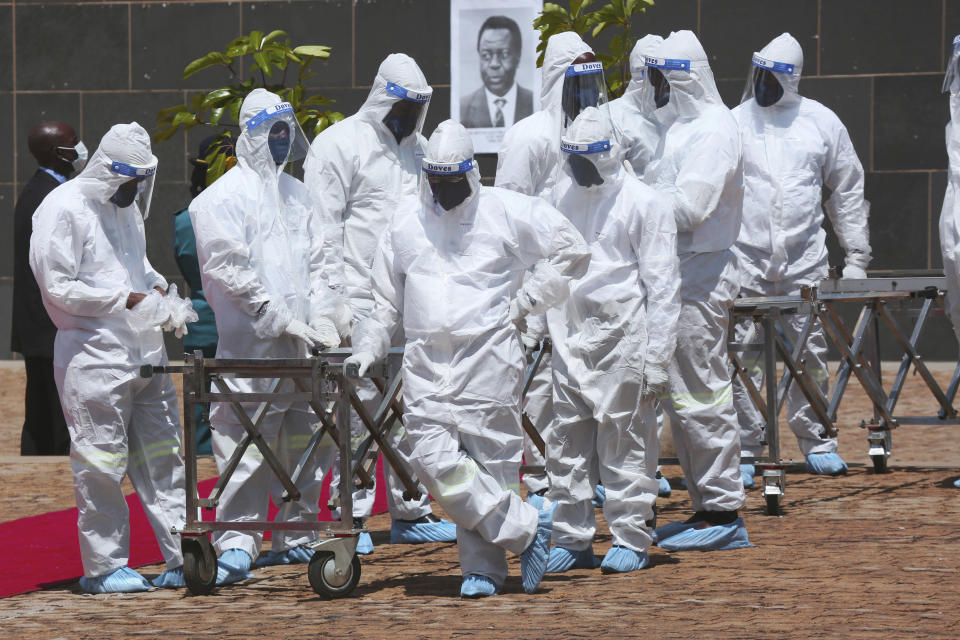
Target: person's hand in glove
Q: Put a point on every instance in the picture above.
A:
(518, 315)
(853, 272)
(151, 311)
(363, 360)
(530, 344)
(327, 330)
(181, 312)
(656, 380)
(304, 333)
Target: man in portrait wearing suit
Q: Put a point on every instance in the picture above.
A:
(500, 101)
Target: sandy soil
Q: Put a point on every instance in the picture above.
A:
(854, 556)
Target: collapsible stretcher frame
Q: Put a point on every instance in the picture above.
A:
(860, 357)
(323, 382)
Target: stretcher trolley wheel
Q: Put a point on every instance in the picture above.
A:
(199, 564)
(879, 463)
(327, 581)
(773, 504)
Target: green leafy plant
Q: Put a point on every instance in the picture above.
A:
(585, 19)
(268, 59)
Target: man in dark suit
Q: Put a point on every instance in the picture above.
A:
(59, 153)
(500, 101)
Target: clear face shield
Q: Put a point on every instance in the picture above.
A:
(407, 114)
(763, 82)
(951, 81)
(137, 188)
(583, 86)
(277, 128)
(656, 90)
(448, 184)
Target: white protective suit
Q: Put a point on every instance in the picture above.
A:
(259, 245)
(617, 326)
(359, 176)
(950, 213)
(88, 255)
(791, 150)
(527, 163)
(448, 279)
(638, 132)
(698, 169)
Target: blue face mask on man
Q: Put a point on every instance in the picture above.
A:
(279, 142)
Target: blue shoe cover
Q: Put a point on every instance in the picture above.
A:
(170, 579)
(672, 529)
(364, 544)
(535, 500)
(296, 555)
(826, 464)
(477, 586)
(599, 496)
(621, 560)
(421, 532)
(533, 562)
(956, 483)
(683, 482)
(233, 566)
(563, 559)
(716, 538)
(747, 471)
(122, 580)
(663, 490)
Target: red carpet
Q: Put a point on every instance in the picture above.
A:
(42, 551)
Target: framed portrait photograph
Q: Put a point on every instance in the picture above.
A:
(494, 80)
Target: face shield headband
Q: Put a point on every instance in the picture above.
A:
(951, 80)
(448, 181)
(138, 187)
(286, 144)
(583, 86)
(763, 83)
(406, 116)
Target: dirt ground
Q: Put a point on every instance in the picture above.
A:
(854, 556)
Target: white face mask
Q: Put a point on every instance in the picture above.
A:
(81, 160)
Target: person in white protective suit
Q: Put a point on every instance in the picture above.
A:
(613, 339)
(260, 249)
(88, 253)
(637, 130)
(792, 148)
(527, 163)
(950, 213)
(450, 271)
(697, 168)
(359, 171)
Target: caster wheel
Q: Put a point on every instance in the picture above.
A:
(199, 565)
(773, 504)
(324, 579)
(879, 464)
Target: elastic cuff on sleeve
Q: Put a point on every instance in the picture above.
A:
(272, 321)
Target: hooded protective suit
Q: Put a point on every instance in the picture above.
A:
(260, 248)
(358, 176)
(697, 168)
(527, 163)
(791, 150)
(617, 327)
(638, 132)
(448, 278)
(950, 214)
(88, 255)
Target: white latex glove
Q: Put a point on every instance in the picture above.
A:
(853, 272)
(152, 311)
(655, 380)
(530, 344)
(363, 360)
(518, 315)
(304, 333)
(327, 330)
(344, 319)
(181, 312)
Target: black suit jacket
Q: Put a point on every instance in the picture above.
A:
(475, 113)
(32, 331)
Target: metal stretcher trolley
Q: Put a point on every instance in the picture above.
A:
(322, 381)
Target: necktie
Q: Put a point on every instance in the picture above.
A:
(498, 116)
